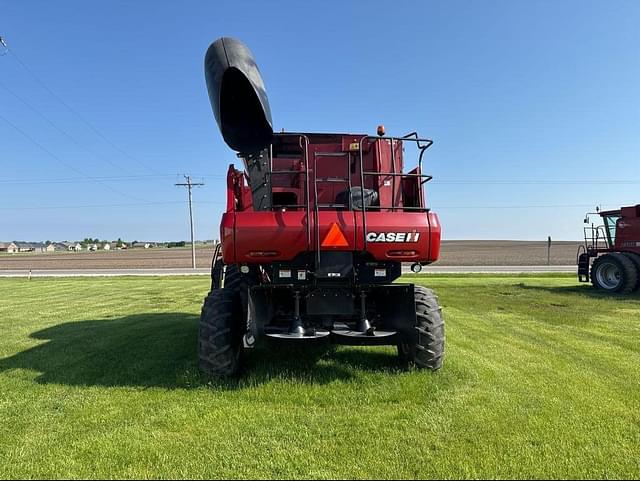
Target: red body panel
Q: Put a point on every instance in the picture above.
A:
(628, 230)
(398, 228)
(256, 237)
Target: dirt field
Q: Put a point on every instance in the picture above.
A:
(506, 253)
(454, 253)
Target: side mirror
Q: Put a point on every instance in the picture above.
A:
(586, 220)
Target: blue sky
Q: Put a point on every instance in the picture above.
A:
(534, 107)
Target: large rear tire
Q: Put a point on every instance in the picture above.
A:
(221, 332)
(614, 273)
(635, 258)
(233, 279)
(427, 350)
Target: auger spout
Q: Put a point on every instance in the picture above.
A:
(238, 96)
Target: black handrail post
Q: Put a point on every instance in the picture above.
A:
(393, 177)
(364, 208)
(316, 209)
(305, 141)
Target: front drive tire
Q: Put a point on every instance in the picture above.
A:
(220, 335)
(427, 352)
(614, 273)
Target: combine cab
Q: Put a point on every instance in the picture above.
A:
(316, 230)
(610, 257)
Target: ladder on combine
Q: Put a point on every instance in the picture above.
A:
(595, 240)
(311, 182)
(584, 264)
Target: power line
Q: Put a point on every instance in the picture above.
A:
(72, 180)
(534, 182)
(89, 206)
(190, 185)
(73, 111)
(66, 164)
(101, 206)
(63, 132)
(145, 177)
(140, 204)
(492, 207)
(507, 181)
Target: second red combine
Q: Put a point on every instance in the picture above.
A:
(317, 228)
(614, 247)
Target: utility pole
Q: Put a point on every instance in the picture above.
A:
(190, 185)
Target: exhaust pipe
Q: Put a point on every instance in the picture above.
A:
(238, 97)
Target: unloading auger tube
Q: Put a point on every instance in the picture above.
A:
(241, 108)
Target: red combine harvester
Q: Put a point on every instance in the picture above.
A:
(316, 230)
(615, 246)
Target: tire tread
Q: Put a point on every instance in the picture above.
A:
(428, 351)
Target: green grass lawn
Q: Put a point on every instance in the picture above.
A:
(98, 379)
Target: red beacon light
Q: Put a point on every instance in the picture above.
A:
(381, 130)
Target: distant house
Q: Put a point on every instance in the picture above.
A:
(23, 246)
(106, 246)
(68, 246)
(92, 247)
(9, 247)
(50, 248)
(30, 246)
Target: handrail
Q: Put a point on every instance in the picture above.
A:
(413, 136)
(303, 143)
(422, 143)
(593, 234)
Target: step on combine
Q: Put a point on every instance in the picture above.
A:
(316, 230)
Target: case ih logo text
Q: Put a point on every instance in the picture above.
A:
(393, 236)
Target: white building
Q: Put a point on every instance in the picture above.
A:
(9, 247)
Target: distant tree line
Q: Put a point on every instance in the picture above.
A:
(176, 244)
(120, 243)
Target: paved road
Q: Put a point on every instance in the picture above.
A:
(205, 272)
(494, 269)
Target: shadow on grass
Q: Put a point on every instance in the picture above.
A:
(159, 350)
(586, 290)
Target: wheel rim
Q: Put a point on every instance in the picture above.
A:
(609, 276)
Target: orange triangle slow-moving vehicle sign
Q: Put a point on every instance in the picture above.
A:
(335, 237)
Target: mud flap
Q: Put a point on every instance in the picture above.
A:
(260, 311)
(396, 307)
